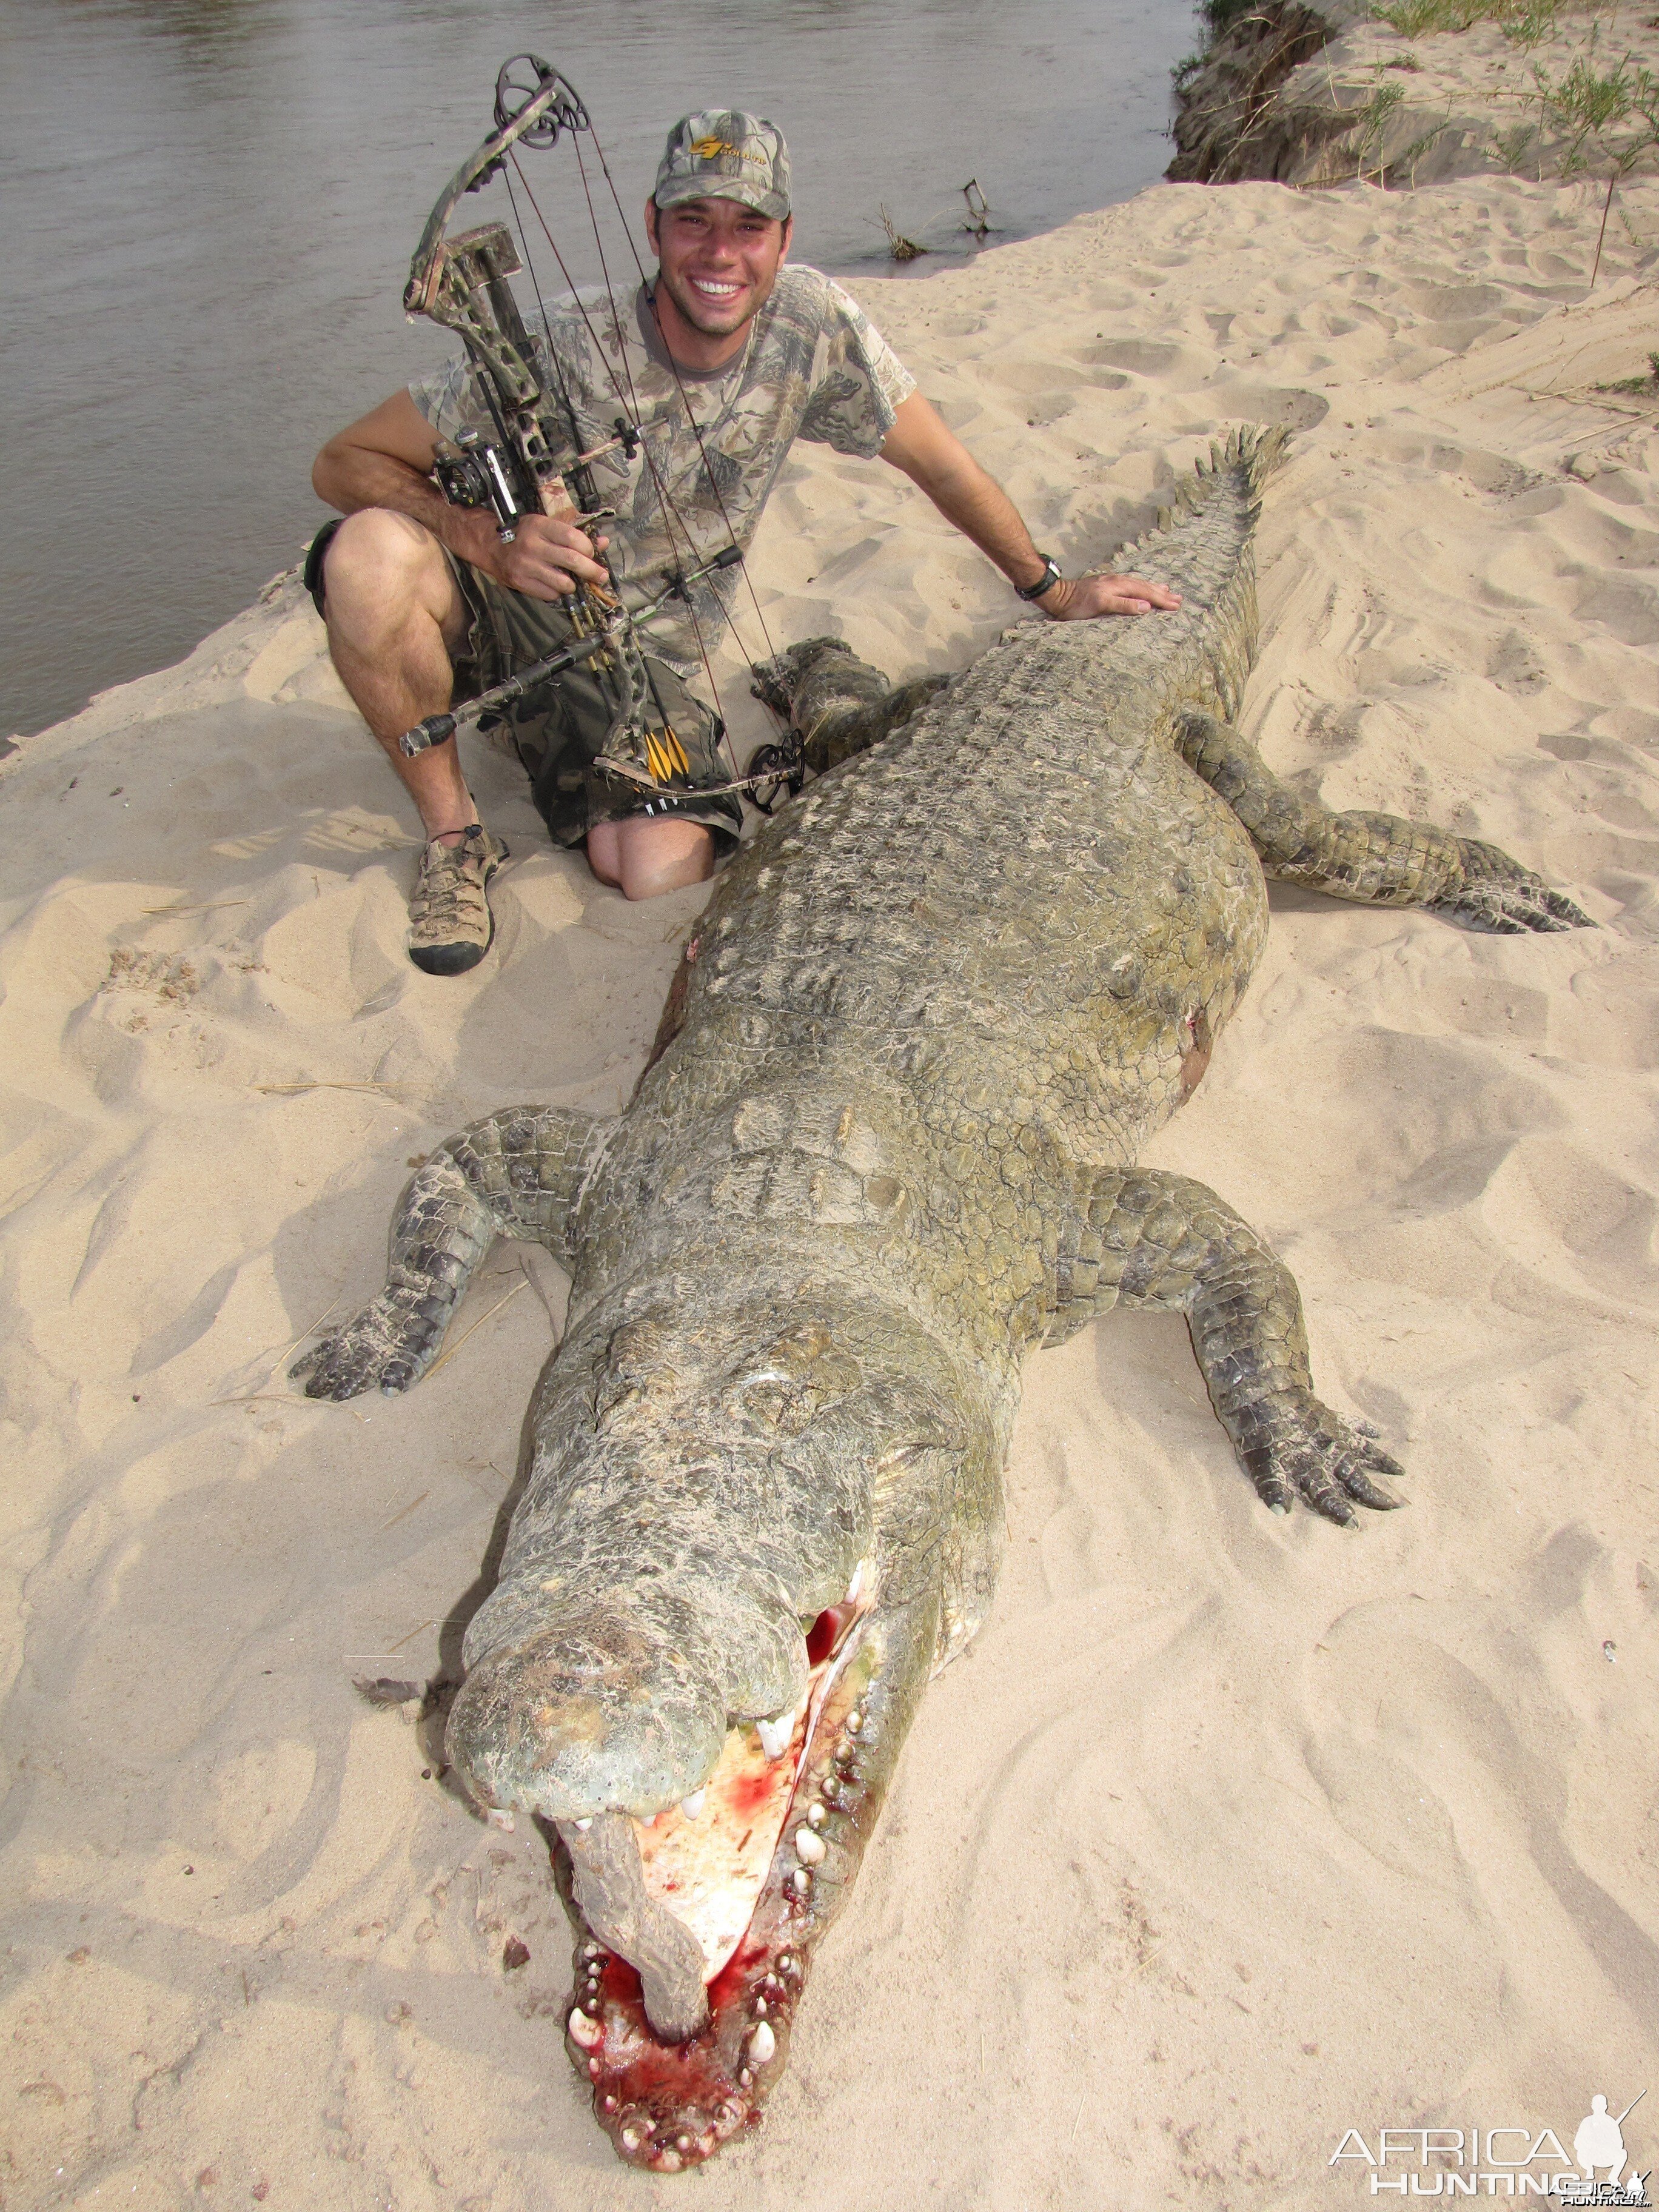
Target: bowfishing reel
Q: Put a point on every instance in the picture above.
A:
(477, 475)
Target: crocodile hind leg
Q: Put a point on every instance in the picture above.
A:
(1166, 1243)
(1376, 860)
(517, 1173)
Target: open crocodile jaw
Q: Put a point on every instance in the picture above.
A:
(670, 2105)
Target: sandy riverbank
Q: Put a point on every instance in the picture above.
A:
(1232, 1834)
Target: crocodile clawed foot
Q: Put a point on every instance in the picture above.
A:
(1301, 1449)
(388, 1347)
(1497, 894)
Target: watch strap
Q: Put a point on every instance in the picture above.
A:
(1045, 583)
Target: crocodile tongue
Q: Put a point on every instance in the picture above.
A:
(727, 1875)
(707, 1865)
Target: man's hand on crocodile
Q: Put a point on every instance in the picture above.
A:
(1080, 598)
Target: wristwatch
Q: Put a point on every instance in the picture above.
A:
(1045, 583)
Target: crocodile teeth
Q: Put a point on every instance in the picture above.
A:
(776, 1736)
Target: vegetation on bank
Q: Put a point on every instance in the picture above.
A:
(1609, 118)
(1217, 17)
(1526, 22)
(1598, 113)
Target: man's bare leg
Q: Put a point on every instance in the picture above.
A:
(644, 858)
(394, 615)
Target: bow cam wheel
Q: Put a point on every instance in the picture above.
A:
(523, 79)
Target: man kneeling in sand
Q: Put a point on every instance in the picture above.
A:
(728, 357)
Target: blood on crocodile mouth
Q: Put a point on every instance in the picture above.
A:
(737, 1863)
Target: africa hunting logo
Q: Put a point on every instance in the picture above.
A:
(1504, 2161)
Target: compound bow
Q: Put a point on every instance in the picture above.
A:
(535, 462)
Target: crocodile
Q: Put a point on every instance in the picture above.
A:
(885, 1146)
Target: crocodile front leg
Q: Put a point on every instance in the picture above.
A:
(1376, 860)
(839, 705)
(1167, 1243)
(517, 1173)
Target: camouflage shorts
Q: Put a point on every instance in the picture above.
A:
(560, 727)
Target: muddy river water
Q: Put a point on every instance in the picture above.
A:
(206, 208)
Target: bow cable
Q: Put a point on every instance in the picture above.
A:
(685, 396)
(662, 489)
(631, 408)
(541, 307)
(629, 400)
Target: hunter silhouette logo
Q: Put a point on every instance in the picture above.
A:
(1504, 2161)
(1598, 2147)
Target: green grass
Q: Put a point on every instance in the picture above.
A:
(1366, 125)
(1418, 19)
(1588, 106)
(1526, 22)
(1217, 17)
(1512, 147)
(1220, 14)
(1527, 25)
(1638, 387)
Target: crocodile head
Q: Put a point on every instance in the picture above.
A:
(698, 1667)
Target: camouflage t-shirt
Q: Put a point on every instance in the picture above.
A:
(814, 366)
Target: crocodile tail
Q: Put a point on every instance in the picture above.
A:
(1254, 452)
(1199, 544)
(1261, 451)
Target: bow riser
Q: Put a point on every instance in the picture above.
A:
(467, 292)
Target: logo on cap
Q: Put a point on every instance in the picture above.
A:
(707, 149)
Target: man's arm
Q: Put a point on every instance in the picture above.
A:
(386, 460)
(937, 462)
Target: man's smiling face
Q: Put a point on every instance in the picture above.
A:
(718, 261)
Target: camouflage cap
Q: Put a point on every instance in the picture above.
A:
(723, 154)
